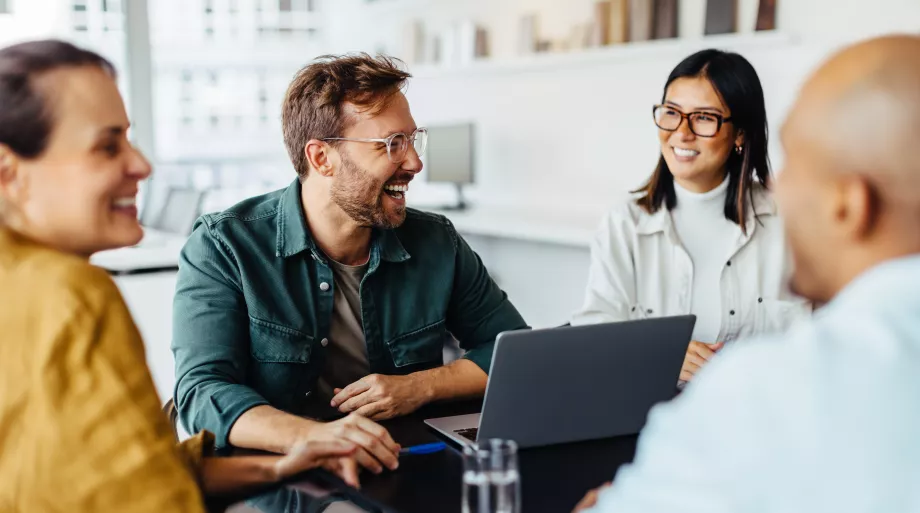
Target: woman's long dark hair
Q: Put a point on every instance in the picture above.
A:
(737, 83)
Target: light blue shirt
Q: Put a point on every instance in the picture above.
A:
(823, 419)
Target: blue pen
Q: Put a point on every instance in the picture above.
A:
(424, 449)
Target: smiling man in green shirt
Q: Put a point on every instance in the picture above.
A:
(330, 294)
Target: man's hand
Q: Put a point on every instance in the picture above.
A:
(698, 355)
(337, 457)
(375, 448)
(590, 499)
(381, 397)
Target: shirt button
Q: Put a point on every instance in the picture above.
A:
(729, 263)
(324, 286)
(324, 342)
(760, 300)
(731, 312)
(649, 311)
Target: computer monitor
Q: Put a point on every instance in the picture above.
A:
(449, 157)
(179, 211)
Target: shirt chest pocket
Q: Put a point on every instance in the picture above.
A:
(777, 316)
(280, 368)
(422, 348)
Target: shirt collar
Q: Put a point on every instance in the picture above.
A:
(293, 232)
(390, 247)
(655, 222)
(294, 235)
(894, 280)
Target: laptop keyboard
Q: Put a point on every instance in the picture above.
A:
(469, 434)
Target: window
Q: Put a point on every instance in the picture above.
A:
(112, 6)
(263, 98)
(5, 7)
(295, 5)
(218, 97)
(209, 18)
(80, 16)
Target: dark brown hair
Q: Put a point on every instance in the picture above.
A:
(313, 103)
(737, 83)
(26, 120)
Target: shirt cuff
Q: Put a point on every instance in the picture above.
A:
(481, 355)
(217, 408)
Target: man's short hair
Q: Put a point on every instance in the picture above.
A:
(313, 104)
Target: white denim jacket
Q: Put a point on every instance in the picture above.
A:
(639, 269)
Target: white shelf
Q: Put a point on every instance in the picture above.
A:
(606, 55)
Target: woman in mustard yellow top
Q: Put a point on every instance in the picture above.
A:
(80, 423)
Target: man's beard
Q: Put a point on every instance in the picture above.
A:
(360, 196)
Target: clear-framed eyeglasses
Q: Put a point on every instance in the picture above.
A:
(703, 124)
(397, 145)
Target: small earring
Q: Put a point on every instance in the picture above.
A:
(738, 149)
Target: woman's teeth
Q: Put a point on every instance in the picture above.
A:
(680, 152)
(125, 202)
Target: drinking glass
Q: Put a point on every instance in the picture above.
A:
(491, 481)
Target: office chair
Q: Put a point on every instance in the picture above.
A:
(173, 415)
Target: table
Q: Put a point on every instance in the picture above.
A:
(553, 479)
(158, 252)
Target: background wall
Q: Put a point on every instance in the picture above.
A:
(578, 131)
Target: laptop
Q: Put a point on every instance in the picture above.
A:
(576, 383)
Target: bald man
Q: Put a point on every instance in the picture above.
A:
(840, 430)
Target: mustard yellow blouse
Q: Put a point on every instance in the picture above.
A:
(81, 428)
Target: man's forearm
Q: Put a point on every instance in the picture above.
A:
(457, 380)
(269, 429)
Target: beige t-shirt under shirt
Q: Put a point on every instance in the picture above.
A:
(346, 354)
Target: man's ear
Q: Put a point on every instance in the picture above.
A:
(320, 157)
(858, 207)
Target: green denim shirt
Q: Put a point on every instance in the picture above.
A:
(254, 302)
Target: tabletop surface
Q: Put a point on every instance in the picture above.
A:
(553, 479)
